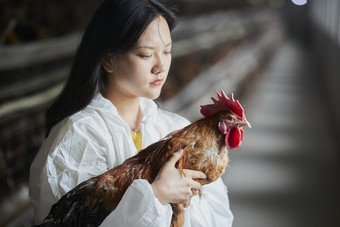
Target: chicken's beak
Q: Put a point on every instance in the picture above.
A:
(244, 123)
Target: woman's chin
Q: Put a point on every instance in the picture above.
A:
(154, 93)
(155, 96)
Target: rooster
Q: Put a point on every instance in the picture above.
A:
(205, 145)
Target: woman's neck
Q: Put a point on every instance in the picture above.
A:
(128, 108)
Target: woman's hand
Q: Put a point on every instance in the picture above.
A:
(170, 186)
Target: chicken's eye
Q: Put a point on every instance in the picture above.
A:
(229, 118)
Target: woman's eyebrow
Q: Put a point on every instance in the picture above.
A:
(152, 48)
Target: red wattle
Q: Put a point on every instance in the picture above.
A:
(234, 138)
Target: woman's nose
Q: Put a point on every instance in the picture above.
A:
(159, 66)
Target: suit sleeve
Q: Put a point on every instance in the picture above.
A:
(81, 155)
(212, 210)
(139, 207)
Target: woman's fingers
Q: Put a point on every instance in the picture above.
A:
(194, 174)
(170, 185)
(190, 174)
(195, 185)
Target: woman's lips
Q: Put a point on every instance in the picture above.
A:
(157, 82)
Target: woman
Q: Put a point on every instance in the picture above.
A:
(105, 114)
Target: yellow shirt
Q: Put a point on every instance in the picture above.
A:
(137, 139)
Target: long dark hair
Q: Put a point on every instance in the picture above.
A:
(114, 29)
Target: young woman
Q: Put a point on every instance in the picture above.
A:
(105, 114)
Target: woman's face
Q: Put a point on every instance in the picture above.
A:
(142, 71)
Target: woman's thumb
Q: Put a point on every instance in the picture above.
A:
(175, 157)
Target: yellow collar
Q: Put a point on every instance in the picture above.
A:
(137, 139)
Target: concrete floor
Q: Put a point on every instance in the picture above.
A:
(285, 173)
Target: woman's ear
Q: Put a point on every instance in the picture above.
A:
(108, 63)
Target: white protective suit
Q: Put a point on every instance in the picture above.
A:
(97, 139)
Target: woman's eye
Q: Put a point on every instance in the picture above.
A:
(144, 56)
(167, 52)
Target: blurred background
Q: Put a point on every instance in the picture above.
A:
(279, 57)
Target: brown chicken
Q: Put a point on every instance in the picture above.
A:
(205, 144)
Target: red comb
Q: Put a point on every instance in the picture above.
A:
(224, 103)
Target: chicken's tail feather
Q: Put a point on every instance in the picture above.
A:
(73, 210)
